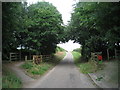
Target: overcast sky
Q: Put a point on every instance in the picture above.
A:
(65, 8)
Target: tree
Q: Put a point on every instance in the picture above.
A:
(36, 27)
(93, 24)
(10, 22)
(45, 27)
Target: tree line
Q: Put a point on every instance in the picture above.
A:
(37, 27)
(96, 26)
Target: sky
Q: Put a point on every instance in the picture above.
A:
(69, 46)
(65, 8)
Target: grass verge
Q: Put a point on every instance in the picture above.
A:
(58, 57)
(85, 67)
(9, 79)
(76, 56)
(35, 71)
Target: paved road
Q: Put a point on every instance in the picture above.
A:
(64, 75)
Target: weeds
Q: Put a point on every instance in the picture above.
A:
(33, 69)
(86, 67)
(9, 80)
(76, 56)
(36, 69)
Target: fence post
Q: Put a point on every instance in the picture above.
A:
(41, 57)
(20, 55)
(115, 53)
(108, 53)
(25, 58)
(30, 55)
(10, 57)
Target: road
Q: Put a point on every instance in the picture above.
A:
(64, 75)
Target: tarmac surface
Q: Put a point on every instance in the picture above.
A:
(64, 75)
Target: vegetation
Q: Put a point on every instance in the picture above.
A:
(76, 56)
(37, 27)
(59, 49)
(88, 67)
(34, 70)
(77, 50)
(85, 67)
(10, 80)
(96, 27)
(0, 81)
(58, 57)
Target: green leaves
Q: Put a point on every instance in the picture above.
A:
(94, 26)
(35, 27)
(46, 23)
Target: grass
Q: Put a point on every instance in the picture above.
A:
(76, 56)
(88, 67)
(9, 79)
(0, 81)
(58, 57)
(85, 67)
(34, 70)
(60, 49)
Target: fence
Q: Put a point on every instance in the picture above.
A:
(14, 56)
(36, 58)
(94, 56)
(46, 57)
(39, 58)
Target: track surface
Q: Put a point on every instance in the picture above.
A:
(64, 75)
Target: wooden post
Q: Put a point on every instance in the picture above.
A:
(25, 58)
(10, 57)
(41, 57)
(108, 53)
(30, 55)
(115, 54)
(20, 55)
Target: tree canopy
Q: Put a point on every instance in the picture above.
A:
(35, 27)
(39, 27)
(95, 26)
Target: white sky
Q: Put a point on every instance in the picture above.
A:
(65, 8)
(69, 46)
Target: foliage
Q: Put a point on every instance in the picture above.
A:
(33, 69)
(77, 50)
(45, 26)
(76, 56)
(58, 57)
(95, 26)
(86, 67)
(9, 80)
(37, 27)
(36, 69)
(10, 22)
(59, 49)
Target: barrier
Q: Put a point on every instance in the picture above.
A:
(14, 56)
